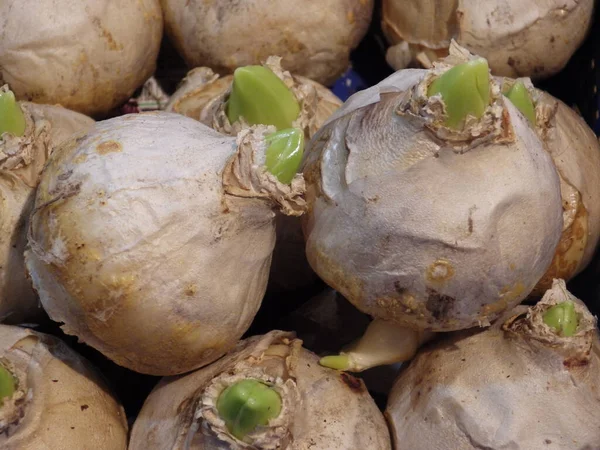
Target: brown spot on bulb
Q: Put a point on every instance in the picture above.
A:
(106, 147)
(351, 18)
(399, 289)
(353, 383)
(191, 290)
(440, 271)
(80, 159)
(439, 305)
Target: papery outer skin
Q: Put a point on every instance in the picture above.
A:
(135, 246)
(534, 38)
(198, 97)
(67, 404)
(576, 152)
(314, 40)
(197, 91)
(478, 245)
(496, 391)
(334, 411)
(89, 60)
(49, 125)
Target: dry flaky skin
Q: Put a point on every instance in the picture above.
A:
(47, 126)
(90, 59)
(576, 152)
(514, 386)
(202, 96)
(534, 38)
(314, 37)
(151, 239)
(426, 227)
(21, 162)
(60, 402)
(321, 409)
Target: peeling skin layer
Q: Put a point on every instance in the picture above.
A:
(533, 38)
(322, 409)
(576, 152)
(498, 390)
(477, 246)
(399, 24)
(60, 401)
(89, 60)
(314, 43)
(138, 250)
(21, 162)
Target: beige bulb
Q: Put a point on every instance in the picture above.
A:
(87, 55)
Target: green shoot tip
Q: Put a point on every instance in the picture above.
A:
(562, 318)
(12, 119)
(465, 90)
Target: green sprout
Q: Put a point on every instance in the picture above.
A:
(261, 97)
(337, 362)
(562, 318)
(521, 98)
(284, 153)
(12, 119)
(7, 384)
(465, 90)
(247, 404)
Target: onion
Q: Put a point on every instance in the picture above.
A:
(152, 235)
(87, 55)
(521, 384)
(534, 38)
(52, 398)
(23, 153)
(315, 407)
(314, 38)
(425, 216)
